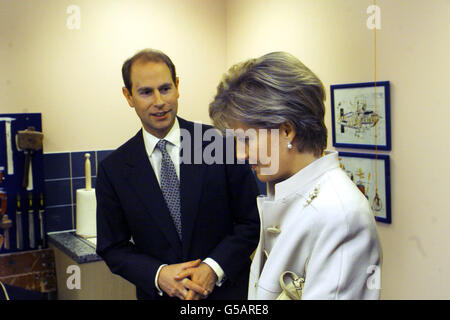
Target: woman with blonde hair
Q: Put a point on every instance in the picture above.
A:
(315, 223)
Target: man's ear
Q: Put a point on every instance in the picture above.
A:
(128, 96)
(177, 85)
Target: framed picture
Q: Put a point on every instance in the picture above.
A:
(360, 115)
(371, 174)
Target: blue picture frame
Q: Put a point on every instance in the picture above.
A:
(360, 168)
(360, 114)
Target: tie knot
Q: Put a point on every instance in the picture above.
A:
(162, 145)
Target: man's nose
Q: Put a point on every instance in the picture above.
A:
(159, 102)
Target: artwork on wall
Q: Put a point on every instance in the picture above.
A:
(371, 174)
(361, 115)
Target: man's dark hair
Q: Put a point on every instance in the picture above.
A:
(146, 55)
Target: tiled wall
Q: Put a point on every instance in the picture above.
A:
(64, 174)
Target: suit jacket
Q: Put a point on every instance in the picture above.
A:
(135, 232)
(319, 226)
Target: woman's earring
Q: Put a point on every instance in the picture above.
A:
(289, 145)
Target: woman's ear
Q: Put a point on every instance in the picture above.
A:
(287, 131)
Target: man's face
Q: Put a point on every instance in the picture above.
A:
(154, 96)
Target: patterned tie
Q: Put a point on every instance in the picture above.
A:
(170, 186)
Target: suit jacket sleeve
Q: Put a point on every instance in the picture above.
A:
(114, 243)
(233, 252)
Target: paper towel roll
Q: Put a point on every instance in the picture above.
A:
(86, 213)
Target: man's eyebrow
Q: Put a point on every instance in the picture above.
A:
(164, 85)
(144, 88)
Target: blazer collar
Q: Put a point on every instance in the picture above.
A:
(142, 179)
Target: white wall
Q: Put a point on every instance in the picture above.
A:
(412, 52)
(74, 76)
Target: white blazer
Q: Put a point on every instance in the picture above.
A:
(319, 225)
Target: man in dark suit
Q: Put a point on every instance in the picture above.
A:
(161, 212)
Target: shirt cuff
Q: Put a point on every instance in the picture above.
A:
(156, 280)
(217, 269)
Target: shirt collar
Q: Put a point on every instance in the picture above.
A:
(173, 136)
(300, 182)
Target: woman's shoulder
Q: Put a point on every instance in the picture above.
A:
(338, 199)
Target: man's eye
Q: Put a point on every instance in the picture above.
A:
(146, 92)
(165, 89)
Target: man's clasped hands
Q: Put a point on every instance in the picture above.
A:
(192, 280)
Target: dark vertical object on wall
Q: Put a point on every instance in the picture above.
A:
(42, 240)
(19, 232)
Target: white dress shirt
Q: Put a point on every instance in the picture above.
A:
(155, 157)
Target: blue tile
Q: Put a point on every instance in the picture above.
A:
(59, 219)
(56, 165)
(79, 183)
(58, 192)
(78, 161)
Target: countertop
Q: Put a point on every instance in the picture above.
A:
(77, 248)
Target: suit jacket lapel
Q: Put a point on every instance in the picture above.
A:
(143, 180)
(191, 182)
